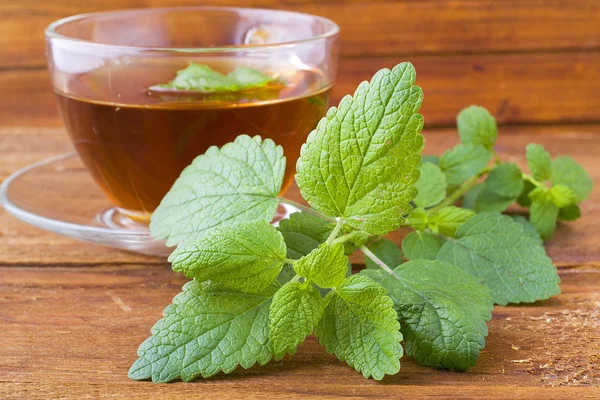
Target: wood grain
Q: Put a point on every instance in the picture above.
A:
(369, 28)
(518, 88)
(74, 333)
(575, 244)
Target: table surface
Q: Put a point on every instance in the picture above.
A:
(73, 314)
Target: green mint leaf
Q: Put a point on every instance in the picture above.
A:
(360, 163)
(442, 310)
(202, 78)
(303, 232)
(326, 265)
(539, 162)
(489, 201)
(497, 250)
(562, 196)
(569, 213)
(464, 161)
(295, 311)
(421, 245)
(431, 186)
(448, 219)
(360, 326)
(543, 214)
(386, 251)
(568, 172)
(505, 180)
(435, 160)
(470, 198)
(477, 126)
(417, 219)
(246, 257)
(528, 226)
(239, 182)
(206, 330)
(523, 198)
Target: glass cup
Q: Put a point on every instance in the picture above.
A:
(135, 138)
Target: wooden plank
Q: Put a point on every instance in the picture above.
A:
(576, 243)
(369, 28)
(73, 333)
(518, 88)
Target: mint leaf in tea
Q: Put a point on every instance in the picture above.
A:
(202, 78)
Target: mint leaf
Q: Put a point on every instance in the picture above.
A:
(442, 310)
(448, 219)
(543, 214)
(239, 182)
(539, 162)
(464, 161)
(488, 201)
(562, 196)
(202, 78)
(505, 180)
(568, 172)
(421, 245)
(361, 327)
(360, 163)
(246, 257)
(523, 198)
(326, 265)
(569, 213)
(386, 251)
(303, 232)
(206, 330)
(431, 186)
(417, 219)
(295, 311)
(477, 126)
(470, 198)
(497, 250)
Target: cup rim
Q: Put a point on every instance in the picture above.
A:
(51, 30)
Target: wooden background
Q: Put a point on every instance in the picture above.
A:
(527, 61)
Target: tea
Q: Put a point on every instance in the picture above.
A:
(135, 142)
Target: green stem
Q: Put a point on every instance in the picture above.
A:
(289, 261)
(305, 209)
(458, 193)
(335, 232)
(533, 181)
(376, 260)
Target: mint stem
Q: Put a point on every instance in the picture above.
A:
(458, 193)
(376, 260)
(335, 232)
(534, 181)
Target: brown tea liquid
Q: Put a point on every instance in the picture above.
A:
(135, 142)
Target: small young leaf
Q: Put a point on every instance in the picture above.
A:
(447, 220)
(569, 213)
(326, 265)
(568, 172)
(206, 330)
(442, 310)
(431, 186)
(386, 251)
(505, 180)
(562, 196)
(463, 162)
(246, 257)
(295, 311)
(417, 219)
(543, 214)
(523, 198)
(360, 163)
(497, 250)
(303, 232)
(421, 245)
(360, 326)
(539, 162)
(238, 182)
(477, 126)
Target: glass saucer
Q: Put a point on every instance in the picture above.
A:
(58, 194)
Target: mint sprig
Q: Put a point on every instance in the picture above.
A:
(258, 291)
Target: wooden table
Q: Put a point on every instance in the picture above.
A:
(73, 314)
